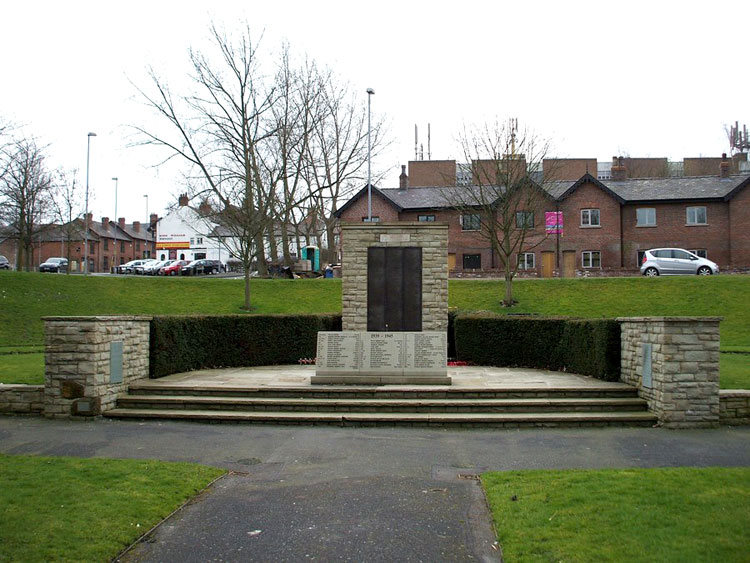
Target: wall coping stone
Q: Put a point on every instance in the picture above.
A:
(20, 387)
(395, 225)
(734, 393)
(667, 319)
(101, 318)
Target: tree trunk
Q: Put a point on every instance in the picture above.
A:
(508, 301)
(246, 306)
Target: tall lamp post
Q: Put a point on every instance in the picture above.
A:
(114, 232)
(148, 218)
(86, 218)
(370, 92)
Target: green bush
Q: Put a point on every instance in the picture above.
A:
(186, 343)
(584, 346)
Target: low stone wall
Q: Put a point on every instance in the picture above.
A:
(90, 360)
(21, 399)
(734, 407)
(674, 364)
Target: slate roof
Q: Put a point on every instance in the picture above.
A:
(664, 189)
(625, 191)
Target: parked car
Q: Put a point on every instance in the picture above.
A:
(153, 268)
(202, 266)
(54, 265)
(675, 261)
(140, 268)
(4, 264)
(129, 267)
(166, 264)
(174, 268)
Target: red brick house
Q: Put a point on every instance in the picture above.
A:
(606, 224)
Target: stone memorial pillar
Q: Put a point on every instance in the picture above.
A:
(394, 307)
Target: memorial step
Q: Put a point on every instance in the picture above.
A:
(502, 420)
(610, 390)
(405, 405)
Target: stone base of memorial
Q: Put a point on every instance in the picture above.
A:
(381, 358)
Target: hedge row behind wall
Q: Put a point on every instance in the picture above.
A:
(584, 346)
(186, 343)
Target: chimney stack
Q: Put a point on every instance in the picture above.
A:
(105, 222)
(619, 172)
(153, 218)
(137, 226)
(403, 179)
(121, 222)
(183, 200)
(724, 166)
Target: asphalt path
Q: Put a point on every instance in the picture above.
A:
(300, 493)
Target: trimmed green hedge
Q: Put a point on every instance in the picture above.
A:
(186, 343)
(584, 346)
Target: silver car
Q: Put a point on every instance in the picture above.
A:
(675, 261)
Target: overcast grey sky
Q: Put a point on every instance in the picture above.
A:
(657, 78)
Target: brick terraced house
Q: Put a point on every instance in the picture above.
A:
(604, 225)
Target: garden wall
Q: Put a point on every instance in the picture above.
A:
(734, 407)
(21, 399)
(674, 364)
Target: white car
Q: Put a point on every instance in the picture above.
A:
(675, 261)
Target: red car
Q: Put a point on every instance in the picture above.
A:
(174, 268)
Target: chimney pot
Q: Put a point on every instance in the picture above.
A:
(403, 179)
(724, 166)
(183, 200)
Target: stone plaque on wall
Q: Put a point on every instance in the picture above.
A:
(382, 357)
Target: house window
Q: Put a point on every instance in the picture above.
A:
(470, 222)
(696, 216)
(526, 261)
(91, 247)
(645, 217)
(472, 261)
(106, 244)
(137, 246)
(373, 219)
(122, 246)
(425, 218)
(192, 241)
(198, 240)
(524, 220)
(700, 253)
(590, 218)
(591, 259)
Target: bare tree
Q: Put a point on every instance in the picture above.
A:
(506, 202)
(337, 153)
(224, 129)
(25, 187)
(67, 206)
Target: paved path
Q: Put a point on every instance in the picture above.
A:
(353, 494)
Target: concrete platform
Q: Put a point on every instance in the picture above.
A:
(462, 378)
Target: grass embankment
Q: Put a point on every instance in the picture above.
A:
(26, 297)
(676, 514)
(65, 509)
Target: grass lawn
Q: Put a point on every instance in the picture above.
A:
(675, 514)
(66, 509)
(734, 371)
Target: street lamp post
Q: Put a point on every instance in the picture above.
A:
(148, 217)
(86, 218)
(370, 92)
(114, 232)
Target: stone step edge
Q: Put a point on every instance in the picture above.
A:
(398, 402)
(383, 417)
(377, 389)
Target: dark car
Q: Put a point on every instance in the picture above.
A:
(202, 266)
(54, 265)
(4, 264)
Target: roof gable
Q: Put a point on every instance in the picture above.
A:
(361, 193)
